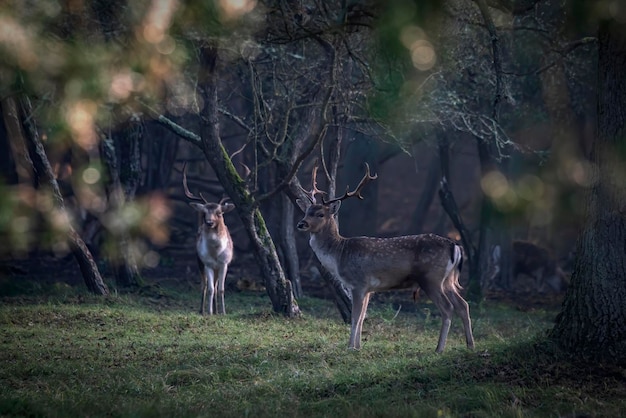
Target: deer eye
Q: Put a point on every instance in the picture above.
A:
(320, 215)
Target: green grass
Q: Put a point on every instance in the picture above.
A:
(71, 354)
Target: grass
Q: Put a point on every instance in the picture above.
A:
(64, 353)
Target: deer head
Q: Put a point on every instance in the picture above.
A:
(318, 215)
(211, 213)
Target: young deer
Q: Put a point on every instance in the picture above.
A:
(430, 262)
(214, 247)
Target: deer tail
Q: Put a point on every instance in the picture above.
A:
(456, 257)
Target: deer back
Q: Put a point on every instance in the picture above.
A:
(385, 263)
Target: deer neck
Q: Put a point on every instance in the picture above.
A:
(327, 241)
(220, 232)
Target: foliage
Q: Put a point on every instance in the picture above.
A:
(71, 354)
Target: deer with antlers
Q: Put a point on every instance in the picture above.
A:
(366, 265)
(214, 247)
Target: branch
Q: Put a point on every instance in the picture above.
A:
(569, 47)
(497, 63)
(314, 143)
(189, 136)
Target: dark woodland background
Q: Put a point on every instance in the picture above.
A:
(481, 119)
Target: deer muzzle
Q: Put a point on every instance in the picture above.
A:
(303, 225)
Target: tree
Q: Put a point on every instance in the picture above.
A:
(121, 154)
(592, 323)
(23, 132)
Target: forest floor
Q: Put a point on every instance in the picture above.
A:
(156, 356)
(181, 271)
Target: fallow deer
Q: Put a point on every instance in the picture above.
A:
(534, 261)
(366, 264)
(214, 247)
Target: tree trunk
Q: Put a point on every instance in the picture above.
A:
(592, 323)
(487, 152)
(7, 163)
(288, 244)
(41, 166)
(431, 184)
(122, 189)
(341, 294)
(278, 287)
(359, 217)
(449, 204)
(17, 144)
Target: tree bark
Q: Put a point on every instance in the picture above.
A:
(448, 202)
(592, 324)
(431, 184)
(278, 287)
(17, 144)
(487, 152)
(122, 189)
(41, 166)
(288, 244)
(341, 294)
(359, 217)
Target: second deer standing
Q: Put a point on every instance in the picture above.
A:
(366, 265)
(214, 248)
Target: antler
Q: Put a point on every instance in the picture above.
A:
(357, 192)
(187, 192)
(310, 194)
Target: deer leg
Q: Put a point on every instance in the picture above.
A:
(359, 309)
(460, 306)
(462, 310)
(446, 309)
(203, 288)
(221, 279)
(210, 275)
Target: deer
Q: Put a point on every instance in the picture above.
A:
(214, 247)
(534, 261)
(369, 264)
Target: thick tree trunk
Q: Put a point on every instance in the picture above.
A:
(41, 166)
(592, 323)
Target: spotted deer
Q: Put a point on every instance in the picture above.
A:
(366, 264)
(214, 247)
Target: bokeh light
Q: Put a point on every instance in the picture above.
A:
(423, 55)
(158, 20)
(233, 9)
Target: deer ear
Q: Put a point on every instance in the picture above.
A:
(334, 207)
(303, 204)
(227, 207)
(197, 206)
